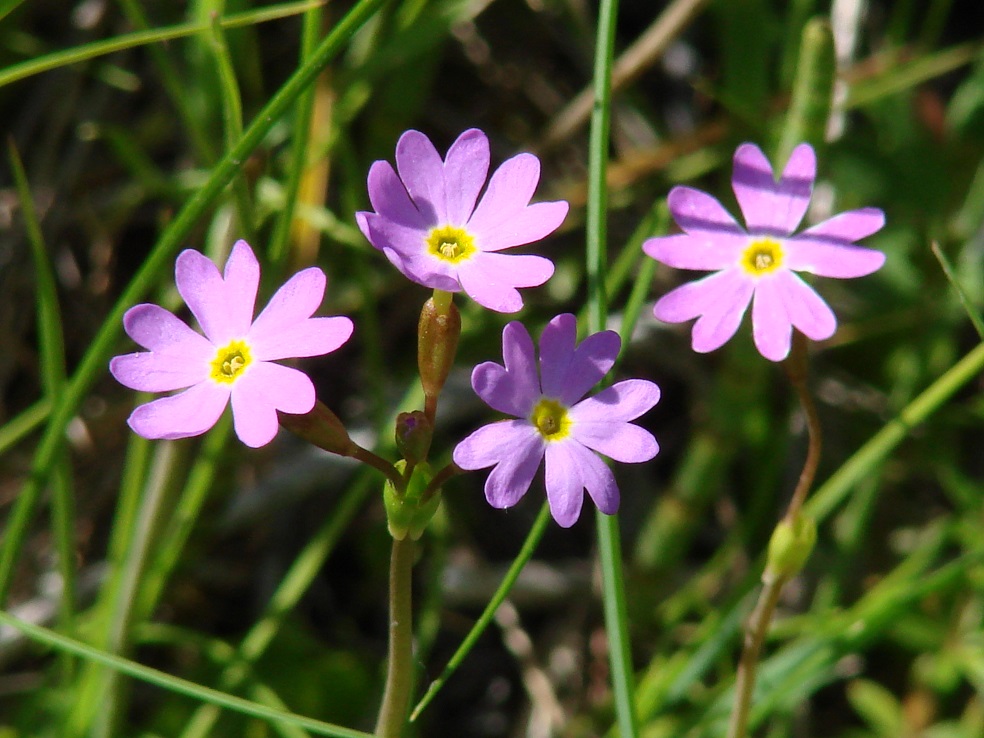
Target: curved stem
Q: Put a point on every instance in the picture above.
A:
(758, 623)
(399, 669)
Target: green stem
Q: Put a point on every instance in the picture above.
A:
(399, 668)
(609, 539)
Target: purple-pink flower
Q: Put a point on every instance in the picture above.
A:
(757, 263)
(427, 224)
(552, 420)
(234, 359)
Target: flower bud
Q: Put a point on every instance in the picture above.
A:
(320, 427)
(408, 514)
(437, 342)
(413, 435)
(789, 548)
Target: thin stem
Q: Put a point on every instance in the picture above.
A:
(399, 669)
(758, 623)
(440, 479)
(756, 629)
(378, 462)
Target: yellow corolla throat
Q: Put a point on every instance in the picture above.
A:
(231, 361)
(451, 244)
(762, 256)
(551, 419)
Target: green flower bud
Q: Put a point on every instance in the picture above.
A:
(408, 514)
(320, 427)
(437, 342)
(413, 435)
(789, 548)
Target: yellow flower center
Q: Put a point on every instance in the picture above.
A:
(550, 418)
(451, 244)
(761, 256)
(230, 361)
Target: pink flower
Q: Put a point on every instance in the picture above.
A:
(429, 227)
(234, 357)
(757, 264)
(553, 421)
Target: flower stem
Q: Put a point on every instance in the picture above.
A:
(399, 669)
(773, 580)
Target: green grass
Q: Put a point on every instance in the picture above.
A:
(200, 588)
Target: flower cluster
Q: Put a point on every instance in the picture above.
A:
(757, 264)
(433, 221)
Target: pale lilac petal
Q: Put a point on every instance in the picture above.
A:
(514, 447)
(514, 387)
(701, 215)
(422, 171)
(155, 371)
(827, 259)
(491, 279)
(805, 308)
(570, 468)
(311, 337)
(772, 328)
(284, 329)
(683, 251)
(510, 189)
(187, 414)
(847, 227)
(156, 329)
(567, 373)
(223, 307)
(407, 251)
(623, 442)
(623, 401)
(389, 198)
(720, 299)
(465, 168)
(771, 207)
(530, 224)
(262, 390)
(563, 480)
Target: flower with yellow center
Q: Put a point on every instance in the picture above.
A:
(450, 244)
(231, 361)
(551, 419)
(763, 256)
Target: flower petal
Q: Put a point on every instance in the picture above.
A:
(623, 442)
(156, 329)
(847, 227)
(566, 372)
(390, 198)
(512, 388)
(222, 306)
(406, 249)
(827, 249)
(772, 328)
(805, 308)
(465, 168)
(623, 401)
(719, 299)
(514, 447)
(491, 279)
(530, 224)
(153, 371)
(187, 414)
(775, 208)
(422, 171)
(510, 189)
(703, 216)
(260, 392)
(683, 251)
(570, 468)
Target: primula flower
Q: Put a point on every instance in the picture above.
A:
(428, 225)
(553, 421)
(756, 264)
(233, 360)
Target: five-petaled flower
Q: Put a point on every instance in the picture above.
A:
(233, 360)
(757, 265)
(427, 224)
(553, 421)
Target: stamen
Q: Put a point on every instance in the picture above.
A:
(761, 256)
(550, 418)
(451, 244)
(230, 361)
